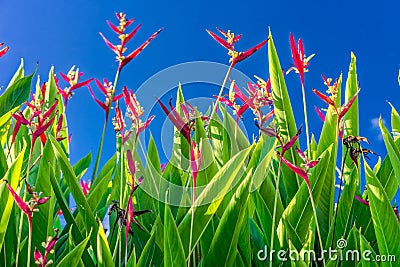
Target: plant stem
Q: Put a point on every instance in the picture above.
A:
(316, 221)
(221, 90)
(21, 218)
(340, 190)
(274, 213)
(96, 166)
(28, 259)
(191, 228)
(306, 119)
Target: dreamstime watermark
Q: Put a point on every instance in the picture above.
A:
(340, 254)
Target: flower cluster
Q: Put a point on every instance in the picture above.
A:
(72, 78)
(39, 120)
(40, 259)
(108, 91)
(124, 37)
(256, 97)
(229, 43)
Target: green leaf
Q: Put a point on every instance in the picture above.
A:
(82, 165)
(104, 257)
(174, 254)
(82, 204)
(18, 74)
(223, 250)
(146, 257)
(329, 136)
(297, 216)
(209, 200)
(284, 117)
(395, 118)
(387, 228)
(74, 256)
(258, 243)
(393, 152)
(43, 220)
(6, 200)
(16, 94)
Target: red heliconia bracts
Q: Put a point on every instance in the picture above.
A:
(135, 111)
(40, 120)
(195, 162)
(301, 62)
(257, 97)
(301, 171)
(229, 43)
(107, 89)
(41, 260)
(27, 207)
(85, 186)
(184, 123)
(72, 78)
(120, 49)
(3, 50)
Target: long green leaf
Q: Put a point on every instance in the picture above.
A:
(74, 256)
(104, 257)
(82, 205)
(393, 152)
(387, 228)
(6, 200)
(223, 248)
(210, 199)
(284, 117)
(16, 94)
(174, 254)
(297, 216)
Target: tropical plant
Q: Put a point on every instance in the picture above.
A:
(221, 200)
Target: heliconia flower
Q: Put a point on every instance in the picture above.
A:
(85, 187)
(195, 161)
(72, 78)
(3, 50)
(339, 111)
(301, 62)
(176, 119)
(229, 43)
(39, 127)
(120, 49)
(135, 111)
(107, 90)
(288, 145)
(41, 260)
(361, 200)
(27, 207)
(308, 164)
(320, 114)
(299, 171)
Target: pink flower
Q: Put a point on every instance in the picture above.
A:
(72, 78)
(3, 50)
(229, 43)
(107, 90)
(195, 161)
(85, 187)
(301, 62)
(41, 260)
(120, 49)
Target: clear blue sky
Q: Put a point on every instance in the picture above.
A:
(65, 33)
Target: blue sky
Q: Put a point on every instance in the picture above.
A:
(66, 33)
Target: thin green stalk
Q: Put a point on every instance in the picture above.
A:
(306, 119)
(340, 190)
(96, 166)
(274, 213)
(28, 259)
(21, 218)
(191, 228)
(221, 90)
(316, 222)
